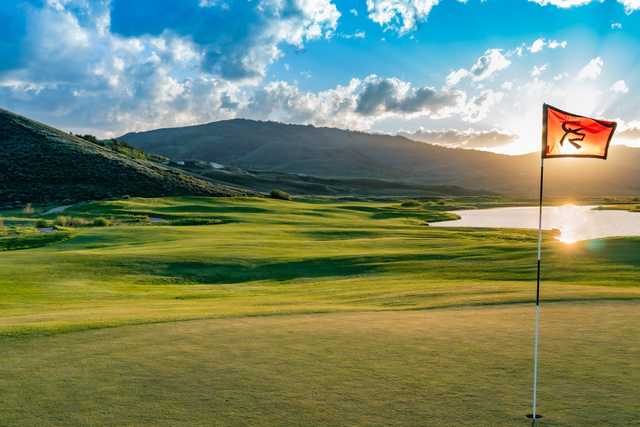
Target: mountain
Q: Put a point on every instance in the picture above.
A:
(335, 153)
(41, 164)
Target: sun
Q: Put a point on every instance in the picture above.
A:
(567, 239)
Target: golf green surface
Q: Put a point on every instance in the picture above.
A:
(311, 313)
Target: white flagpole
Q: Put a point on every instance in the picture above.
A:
(536, 338)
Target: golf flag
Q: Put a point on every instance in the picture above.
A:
(569, 135)
(563, 135)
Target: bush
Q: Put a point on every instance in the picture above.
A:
(101, 222)
(411, 204)
(279, 194)
(68, 221)
(43, 223)
(61, 221)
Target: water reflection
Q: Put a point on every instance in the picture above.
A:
(573, 222)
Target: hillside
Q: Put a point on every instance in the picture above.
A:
(299, 184)
(335, 153)
(40, 164)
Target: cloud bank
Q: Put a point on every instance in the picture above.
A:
(454, 138)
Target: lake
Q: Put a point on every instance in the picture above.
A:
(574, 222)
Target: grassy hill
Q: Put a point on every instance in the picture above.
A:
(335, 153)
(41, 164)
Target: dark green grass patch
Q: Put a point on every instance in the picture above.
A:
(32, 240)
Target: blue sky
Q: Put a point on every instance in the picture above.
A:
(470, 74)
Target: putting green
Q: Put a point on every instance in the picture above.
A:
(454, 367)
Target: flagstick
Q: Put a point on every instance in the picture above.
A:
(536, 338)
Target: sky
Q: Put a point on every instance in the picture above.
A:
(468, 74)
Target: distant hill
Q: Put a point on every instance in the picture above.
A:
(299, 184)
(335, 153)
(41, 164)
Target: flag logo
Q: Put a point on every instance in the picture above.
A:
(570, 135)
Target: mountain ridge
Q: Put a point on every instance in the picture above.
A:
(338, 153)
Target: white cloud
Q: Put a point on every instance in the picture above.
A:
(457, 138)
(356, 35)
(399, 15)
(488, 64)
(537, 46)
(629, 5)
(536, 71)
(616, 26)
(619, 87)
(356, 105)
(560, 76)
(79, 72)
(554, 44)
(479, 106)
(627, 133)
(592, 70)
(354, 12)
(213, 3)
(380, 95)
(455, 77)
(561, 3)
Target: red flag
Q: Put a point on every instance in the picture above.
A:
(569, 135)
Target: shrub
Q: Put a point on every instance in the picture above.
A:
(61, 221)
(411, 204)
(101, 222)
(89, 138)
(79, 222)
(279, 194)
(42, 223)
(68, 221)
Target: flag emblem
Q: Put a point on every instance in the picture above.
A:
(569, 135)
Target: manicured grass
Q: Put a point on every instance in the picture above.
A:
(468, 367)
(279, 257)
(311, 313)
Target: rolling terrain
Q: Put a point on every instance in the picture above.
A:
(40, 164)
(335, 153)
(269, 312)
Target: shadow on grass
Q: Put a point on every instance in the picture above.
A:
(200, 272)
(341, 234)
(211, 209)
(393, 213)
(619, 250)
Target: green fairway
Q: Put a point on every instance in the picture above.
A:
(276, 257)
(347, 341)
